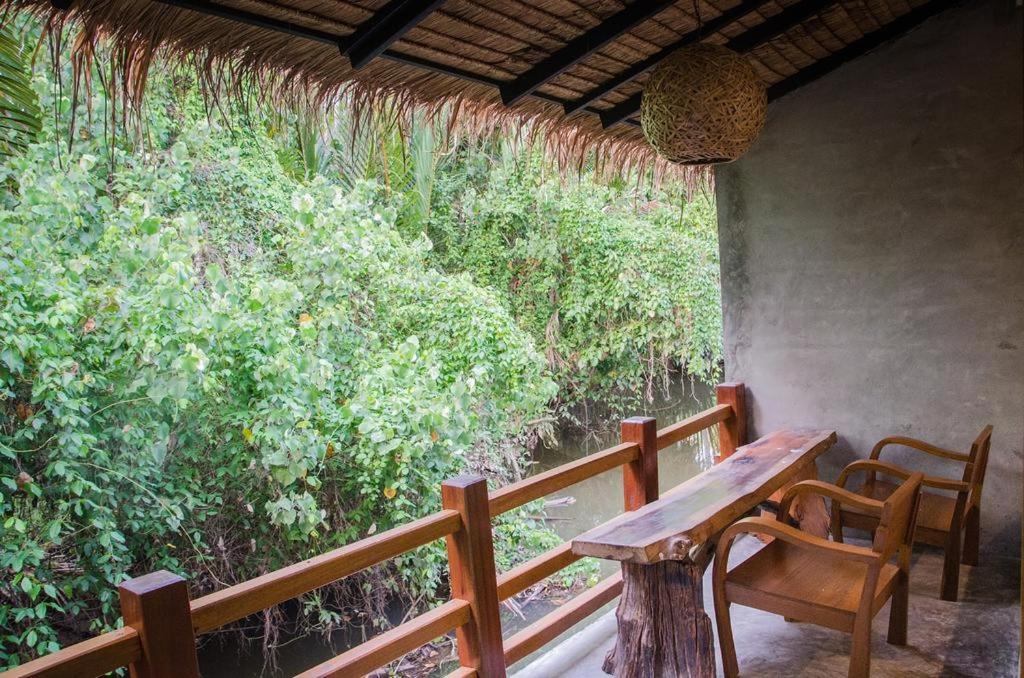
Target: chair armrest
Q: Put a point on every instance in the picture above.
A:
(790, 535)
(868, 465)
(834, 492)
(920, 445)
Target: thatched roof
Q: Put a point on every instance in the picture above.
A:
(574, 68)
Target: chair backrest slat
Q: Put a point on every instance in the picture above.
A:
(979, 461)
(896, 524)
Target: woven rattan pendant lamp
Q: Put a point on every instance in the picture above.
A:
(703, 105)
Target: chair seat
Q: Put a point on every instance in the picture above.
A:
(801, 582)
(934, 517)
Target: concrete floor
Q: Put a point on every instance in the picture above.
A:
(977, 636)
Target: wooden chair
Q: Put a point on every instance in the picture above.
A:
(807, 578)
(942, 517)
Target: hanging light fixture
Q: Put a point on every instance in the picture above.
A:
(704, 104)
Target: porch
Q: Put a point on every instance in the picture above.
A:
(873, 276)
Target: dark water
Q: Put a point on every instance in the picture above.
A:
(571, 512)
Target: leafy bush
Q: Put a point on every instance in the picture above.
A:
(619, 294)
(203, 374)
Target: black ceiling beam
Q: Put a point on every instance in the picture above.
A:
(859, 47)
(372, 37)
(257, 20)
(719, 22)
(777, 24)
(580, 48)
(770, 28)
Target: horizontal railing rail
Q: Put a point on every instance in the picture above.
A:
(670, 435)
(94, 657)
(237, 602)
(527, 490)
(166, 645)
(392, 644)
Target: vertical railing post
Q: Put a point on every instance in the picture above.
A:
(156, 605)
(473, 576)
(732, 433)
(640, 477)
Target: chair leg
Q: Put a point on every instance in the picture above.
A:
(860, 655)
(730, 667)
(898, 611)
(837, 524)
(972, 536)
(948, 588)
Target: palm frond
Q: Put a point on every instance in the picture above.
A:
(20, 117)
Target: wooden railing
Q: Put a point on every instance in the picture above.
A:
(161, 623)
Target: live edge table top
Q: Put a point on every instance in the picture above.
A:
(694, 511)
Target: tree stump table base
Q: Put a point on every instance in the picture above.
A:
(664, 631)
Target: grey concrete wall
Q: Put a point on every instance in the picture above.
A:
(873, 252)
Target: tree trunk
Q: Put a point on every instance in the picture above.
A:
(664, 631)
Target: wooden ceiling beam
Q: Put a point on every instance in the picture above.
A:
(765, 31)
(719, 22)
(580, 48)
(859, 47)
(372, 37)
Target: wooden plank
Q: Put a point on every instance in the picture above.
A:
(548, 627)
(535, 487)
(732, 432)
(671, 435)
(393, 644)
(156, 605)
(234, 603)
(94, 657)
(698, 508)
(471, 570)
(532, 571)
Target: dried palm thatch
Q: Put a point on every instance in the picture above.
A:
(278, 70)
(703, 105)
(570, 70)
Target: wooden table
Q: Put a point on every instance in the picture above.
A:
(664, 547)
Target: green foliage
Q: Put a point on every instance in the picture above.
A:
(213, 368)
(618, 284)
(618, 293)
